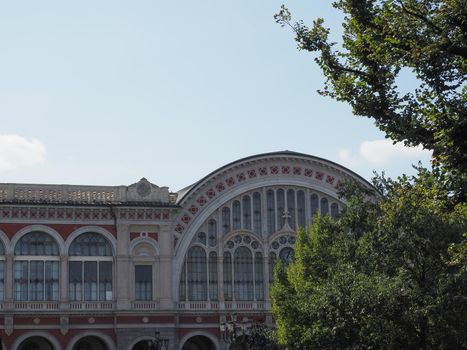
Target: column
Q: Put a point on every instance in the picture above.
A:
(165, 267)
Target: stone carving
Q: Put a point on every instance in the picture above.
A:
(8, 325)
(64, 324)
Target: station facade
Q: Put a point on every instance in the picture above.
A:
(104, 267)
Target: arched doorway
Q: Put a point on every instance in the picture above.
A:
(143, 345)
(90, 343)
(199, 342)
(35, 343)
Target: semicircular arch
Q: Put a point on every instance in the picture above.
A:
(47, 336)
(95, 229)
(38, 228)
(107, 340)
(192, 334)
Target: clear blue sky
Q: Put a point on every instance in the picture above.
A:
(106, 92)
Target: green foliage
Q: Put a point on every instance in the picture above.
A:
(397, 281)
(380, 38)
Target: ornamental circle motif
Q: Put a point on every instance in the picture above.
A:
(143, 188)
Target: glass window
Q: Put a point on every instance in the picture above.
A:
(259, 285)
(272, 263)
(243, 274)
(271, 211)
(182, 290)
(143, 282)
(280, 207)
(236, 219)
(225, 220)
(334, 210)
(228, 295)
(257, 213)
(197, 274)
(90, 268)
(291, 207)
(2, 271)
(301, 208)
(324, 206)
(213, 276)
(212, 233)
(36, 280)
(314, 204)
(246, 209)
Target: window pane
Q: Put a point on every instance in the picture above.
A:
(197, 274)
(243, 274)
(51, 280)
(212, 233)
(324, 206)
(259, 287)
(271, 211)
(314, 204)
(280, 207)
(236, 220)
(301, 208)
(334, 210)
(182, 290)
(75, 280)
(21, 280)
(36, 280)
(143, 282)
(225, 220)
(227, 266)
(213, 276)
(36, 243)
(246, 210)
(90, 280)
(2, 279)
(257, 213)
(291, 207)
(90, 244)
(105, 280)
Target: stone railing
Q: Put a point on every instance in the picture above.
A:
(228, 305)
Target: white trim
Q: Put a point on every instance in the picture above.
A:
(42, 228)
(187, 337)
(46, 335)
(105, 338)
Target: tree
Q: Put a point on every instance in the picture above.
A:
(427, 37)
(388, 274)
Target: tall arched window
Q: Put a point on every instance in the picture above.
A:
(243, 274)
(212, 233)
(324, 206)
(334, 210)
(213, 276)
(36, 267)
(314, 204)
(236, 216)
(90, 268)
(280, 207)
(257, 213)
(301, 208)
(246, 212)
(197, 274)
(291, 207)
(225, 220)
(259, 283)
(271, 212)
(2, 271)
(227, 269)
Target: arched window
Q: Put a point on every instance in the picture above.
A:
(301, 208)
(225, 220)
(246, 209)
(36, 267)
(291, 207)
(90, 268)
(243, 274)
(213, 276)
(324, 206)
(314, 204)
(197, 274)
(2, 271)
(259, 283)
(280, 207)
(257, 213)
(227, 267)
(334, 210)
(236, 216)
(212, 233)
(271, 212)
(272, 263)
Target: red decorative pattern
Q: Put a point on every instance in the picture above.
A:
(241, 177)
(165, 215)
(251, 173)
(186, 219)
(157, 214)
(210, 193)
(319, 175)
(308, 172)
(220, 187)
(285, 170)
(179, 228)
(201, 200)
(140, 214)
(274, 170)
(330, 179)
(297, 170)
(230, 181)
(263, 171)
(193, 209)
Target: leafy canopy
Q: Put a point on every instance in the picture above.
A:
(388, 274)
(381, 37)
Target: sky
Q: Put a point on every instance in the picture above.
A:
(106, 92)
